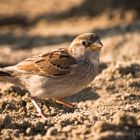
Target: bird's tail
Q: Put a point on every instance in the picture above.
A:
(4, 72)
(6, 75)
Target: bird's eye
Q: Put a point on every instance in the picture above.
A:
(84, 43)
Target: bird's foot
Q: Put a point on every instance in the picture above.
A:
(39, 110)
(43, 115)
(67, 104)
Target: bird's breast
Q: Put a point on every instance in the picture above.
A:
(67, 85)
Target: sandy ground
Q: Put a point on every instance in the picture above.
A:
(108, 109)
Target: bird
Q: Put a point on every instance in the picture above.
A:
(59, 73)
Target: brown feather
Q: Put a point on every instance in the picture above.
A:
(55, 63)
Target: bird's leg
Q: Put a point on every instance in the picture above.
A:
(68, 104)
(39, 110)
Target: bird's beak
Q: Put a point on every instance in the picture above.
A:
(97, 45)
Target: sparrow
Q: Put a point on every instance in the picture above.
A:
(59, 73)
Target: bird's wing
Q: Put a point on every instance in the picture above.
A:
(55, 63)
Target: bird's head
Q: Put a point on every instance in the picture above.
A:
(86, 46)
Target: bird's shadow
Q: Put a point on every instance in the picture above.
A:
(84, 95)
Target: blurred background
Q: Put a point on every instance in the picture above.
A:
(104, 109)
(33, 26)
